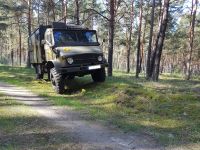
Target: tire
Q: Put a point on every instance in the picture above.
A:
(57, 81)
(99, 75)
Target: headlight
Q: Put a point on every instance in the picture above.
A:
(100, 58)
(70, 60)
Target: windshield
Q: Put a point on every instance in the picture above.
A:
(75, 37)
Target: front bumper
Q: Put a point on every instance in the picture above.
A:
(83, 69)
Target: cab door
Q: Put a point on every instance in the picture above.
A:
(48, 45)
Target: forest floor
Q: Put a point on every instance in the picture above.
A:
(30, 122)
(166, 111)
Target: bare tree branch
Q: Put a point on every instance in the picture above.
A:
(97, 13)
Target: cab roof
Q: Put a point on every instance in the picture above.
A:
(61, 25)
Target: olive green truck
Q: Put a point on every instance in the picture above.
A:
(65, 51)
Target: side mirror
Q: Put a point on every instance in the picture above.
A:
(43, 42)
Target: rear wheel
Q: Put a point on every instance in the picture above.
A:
(99, 75)
(57, 81)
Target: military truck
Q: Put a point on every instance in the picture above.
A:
(64, 51)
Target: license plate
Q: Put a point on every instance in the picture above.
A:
(94, 67)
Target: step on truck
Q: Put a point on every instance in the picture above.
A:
(64, 51)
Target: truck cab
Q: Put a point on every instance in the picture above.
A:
(65, 51)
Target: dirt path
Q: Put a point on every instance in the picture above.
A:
(85, 135)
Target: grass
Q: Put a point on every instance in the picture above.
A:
(168, 110)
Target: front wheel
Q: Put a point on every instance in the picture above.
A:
(99, 75)
(57, 81)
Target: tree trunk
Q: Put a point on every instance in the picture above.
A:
(29, 32)
(130, 36)
(153, 52)
(38, 12)
(191, 37)
(142, 56)
(48, 15)
(150, 41)
(159, 41)
(111, 37)
(77, 12)
(64, 10)
(138, 66)
(160, 9)
(53, 10)
(12, 58)
(20, 46)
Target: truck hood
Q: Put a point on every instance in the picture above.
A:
(76, 50)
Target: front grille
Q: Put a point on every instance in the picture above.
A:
(82, 59)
